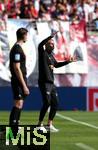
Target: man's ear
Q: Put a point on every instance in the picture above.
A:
(44, 47)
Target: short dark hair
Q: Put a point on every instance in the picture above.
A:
(21, 32)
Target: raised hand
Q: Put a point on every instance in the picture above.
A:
(54, 33)
(73, 59)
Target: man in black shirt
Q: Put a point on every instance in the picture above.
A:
(46, 79)
(18, 75)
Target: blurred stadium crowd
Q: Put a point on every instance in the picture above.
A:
(48, 9)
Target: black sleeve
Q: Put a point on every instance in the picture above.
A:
(60, 64)
(16, 56)
(45, 41)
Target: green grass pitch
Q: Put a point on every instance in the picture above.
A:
(72, 135)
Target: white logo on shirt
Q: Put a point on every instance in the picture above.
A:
(17, 57)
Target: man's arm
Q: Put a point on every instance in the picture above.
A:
(60, 64)
(20, 77)
(47, 39)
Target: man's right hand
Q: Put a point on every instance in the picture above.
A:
(54, 33)
(26, 90)
(71, 58)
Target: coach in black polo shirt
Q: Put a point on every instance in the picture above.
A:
(18, 75)
(46, 79)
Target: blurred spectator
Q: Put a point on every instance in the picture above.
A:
(96, 3)
(91, 9)
(95, 18)
(95, 14)
(29, 9)
(37, 6)
(24, 9)
(3, 17)
(2, 8)
(80, 10)
(61, 11)
(49, 9)
(45, 9)
(34, 9)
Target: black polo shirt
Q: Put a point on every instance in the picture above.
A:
(17, 56)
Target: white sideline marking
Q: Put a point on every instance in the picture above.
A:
(76, 121)
(84, 146)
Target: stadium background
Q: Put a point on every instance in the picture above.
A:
(76, 85)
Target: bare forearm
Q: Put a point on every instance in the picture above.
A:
(20, 77)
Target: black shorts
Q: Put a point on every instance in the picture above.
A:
(17, 89)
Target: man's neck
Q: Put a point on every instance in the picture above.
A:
(20, 42)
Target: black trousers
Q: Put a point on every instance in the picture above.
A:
(50, 98)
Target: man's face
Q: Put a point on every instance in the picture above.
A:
(25, 38)
(50, 45)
